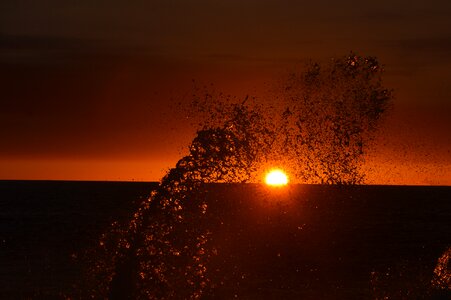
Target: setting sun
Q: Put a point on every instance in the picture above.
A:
(276, 177)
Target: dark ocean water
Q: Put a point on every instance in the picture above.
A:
(45, 225)
(329, 242)
(308, 242)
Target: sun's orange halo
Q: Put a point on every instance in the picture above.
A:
(276, 177)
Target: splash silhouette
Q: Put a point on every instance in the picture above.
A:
(442, 272)
(324, 123)
(335, 110)
(147, 258)
(321, 123)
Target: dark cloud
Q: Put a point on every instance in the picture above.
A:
(17, 49)
(51, 50)
(427, 46)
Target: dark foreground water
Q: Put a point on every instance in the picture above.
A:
(46, 225)
(301, 242)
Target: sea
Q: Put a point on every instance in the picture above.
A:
(46, 225)
(304, 242)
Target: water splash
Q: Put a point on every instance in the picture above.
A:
(411, 279)
(318, 133)
(442, 272)
(148, 258)
(320, 125)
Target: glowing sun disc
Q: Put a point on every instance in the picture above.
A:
(276, 178)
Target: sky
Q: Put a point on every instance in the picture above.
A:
(89, 89)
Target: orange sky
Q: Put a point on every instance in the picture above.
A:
(89, 89)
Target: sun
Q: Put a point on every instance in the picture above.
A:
(276, 177)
